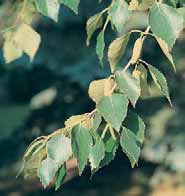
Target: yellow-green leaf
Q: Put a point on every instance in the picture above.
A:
(100, 88)
(10, 51)
(116, 50)
(74, 120)
(166, 50)
(27, 39)
(141, 74)
(93, 23)
(133, 5)
(137, 50)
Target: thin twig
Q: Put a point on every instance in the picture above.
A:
(127, 66)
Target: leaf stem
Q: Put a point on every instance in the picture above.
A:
(106, 23)
(105, 131)
(105, 10)
(112, 132)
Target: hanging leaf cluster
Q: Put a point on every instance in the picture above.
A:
(93, 138)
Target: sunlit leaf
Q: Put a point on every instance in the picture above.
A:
(119, 14)
(133, 5)
(32, 164)
(48, 8)
(59, 149)
(171, 21)
(100, 88)
(47, 171)
(10, 51)
(27, 39)
(137, 50)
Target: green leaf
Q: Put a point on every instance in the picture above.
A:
(96, 121)
(114, 109)
(27, 39)
(72, 4)
(119, 14)
(141, 73)
(93, 23)
(100, 46)
(164, 47)
(160, 81)
(130, 145)
(110, 146)
(59, 149)
(116, 50)
(47, 171)
(134, 123)
(61, 176)
(181, 11)
(48, 8)
(129, 85)
(81, 145)
(174, 2)
(97, 154)
(166, 23)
